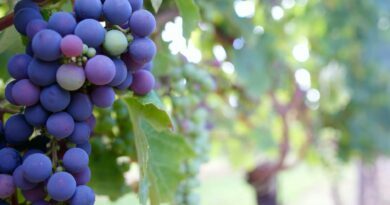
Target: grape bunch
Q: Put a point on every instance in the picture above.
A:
(74, 61)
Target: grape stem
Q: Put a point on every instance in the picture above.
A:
(14, 199)
(54, 156)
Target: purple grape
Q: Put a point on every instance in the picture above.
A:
(17, 130)
(9, 160)
(60, 125)
(36, 194)
(46, 45)
(148, 66)
(83, 195)
(91, 32)
(31, 152)
(100, 70)
(70, 77)
(91, 121)
(86, 147)
(24, 92)
(88, 9)
(23, 17)
(127, 83)
(72, 46)
(136, 4)
(20, 181)
(8, 92)
(130, 63)
(54, 98)
(80, 107)
(142, 50)
(62, 22)
(35, 26)
(120, 73)
(37, 168)
(36, 115)
(75, 160)
(25, 4)
(7, 186)
(42, 73)
(143, 82)
(103, 96)
(83, 177)
(61, 186)
(29, 50)
(117, 12)
(80, 134)
(17, 66)
(142, 23)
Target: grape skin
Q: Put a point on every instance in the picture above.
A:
(37, 168)
(120, 73)
(42, 73)
(36, 194)
(83, 177)
(126, 84)
(103, 96)
(23, 17)
(100, 70)
(9, 160)
(117, 12)
(88, 9)
(142, 50)
(24, 92)
(31, 152)
(46, 45)
(142, 23)
(25, 4)
(86, 147)
(83, 196)
(17, 130)
(54, 98)
(17, 66)
(81, 133)
(7, 186)
(136, 4)
(20, 181)
(75, 160)
(8, 92)
(115, 43)
(80, 107)
(60, 125)
(143, 82)
(71, 46)
(70, 77)
(90, 32)
(34, 26)
(36, 115)
(62, 22)
(61, 186)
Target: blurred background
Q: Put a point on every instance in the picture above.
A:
(284, 101)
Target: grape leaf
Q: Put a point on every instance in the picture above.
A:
(191, 16)
(160, 152)
(156, 4)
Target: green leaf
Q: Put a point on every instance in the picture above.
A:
(160, 152)
(191, 16)
(156, 4)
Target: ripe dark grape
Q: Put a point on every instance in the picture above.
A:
(117, 12)
(8, 92)
(83, 177)
(126, 84)
(23, 17)
(7, 186)
(143, 82)
(130, 63)
(71, 46)
(136, 4)
(60, 125)
(17, 130)
(9, 160)
(42, 73)
(17, 66)
(34, 26)
(25, 4)
(61, 186)
(70, 77)
(20, 181)
(86, 147)
(36, 115)
(46, 45)
(142, 50)
(75, 160)
(100, 70)
(81, 133)
(88, 9)
(91, 32)
(80, 107)
(103, 96)
(142, 23)
(83, 195)
(37, 168)
(120, 73)
(36, 194)
(148, 66)
(62, 22)
(54, 98)
(31, 152)
(24, 92)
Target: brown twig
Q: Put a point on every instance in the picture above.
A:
(6, 21)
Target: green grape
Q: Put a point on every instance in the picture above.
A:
(115, 42)
(91, 52)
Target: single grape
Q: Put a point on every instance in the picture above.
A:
(142, 50)
(8, 92)
(70, 77)
(24, 92)
(72, 46)
(9, 160)
(46, 45)
(75, 160)
(23, 17)
(20, 181)
(136, 4)
(42, 73)
(120, 73)
(54, 98)
(17, 130)
(37, 168)
(83, 195)
(61, 186)
(31, 152)
(60, 125)
(115, 42)
(126, 84)
(17, 66)
(7, 186)
(130, 63)
(100, 70)
(81, 133)
(148, 66)
(91, 32)
(91, 52)
(35, 26)
(83, 177)
(117, 12)
(39, 142)
(80, 107)
(36, 115)
(36, 194)
(142, 23)
(25, 4)
(103, 96)
(86, 147)
(88, 9)
(143, 82)
(62, 22)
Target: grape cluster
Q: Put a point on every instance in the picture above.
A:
(73, 62)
